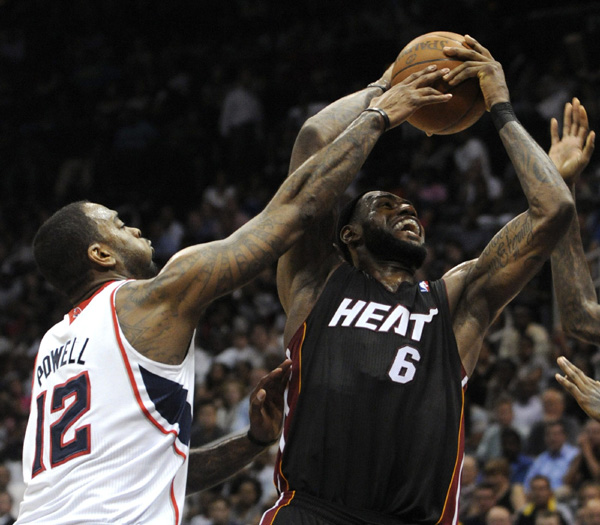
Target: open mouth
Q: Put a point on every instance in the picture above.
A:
(409, 225)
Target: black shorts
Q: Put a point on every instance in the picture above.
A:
(301, 509)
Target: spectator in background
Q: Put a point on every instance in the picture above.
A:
(484, 500)
(554, 462)
(553, 405)
(219, 513)
(589, 514)
(240, 350)
(527, 405)
(229, 416)
(490, 446)
(6, 504)
(541, 498)
(205, 427)
(530, 366)
(246, 494)
(586, 465)
(547, 517)
(240, 125)
(496, 472)
(499, 515)
(501, 381)
(468, 485)
(511, 450)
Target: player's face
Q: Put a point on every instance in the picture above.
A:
(133, 251)
(392, 229)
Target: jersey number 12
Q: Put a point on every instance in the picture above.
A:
(62, 451)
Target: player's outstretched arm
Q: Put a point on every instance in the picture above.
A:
(321, 129)
(479, 290)
(583, 388)
(158, 316)
(575, 292)
(214, 463)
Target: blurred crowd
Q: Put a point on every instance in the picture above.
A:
(182, 115)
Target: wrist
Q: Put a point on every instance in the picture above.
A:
(383, 116)
(502, 113)
(258, 442)
(381, 84)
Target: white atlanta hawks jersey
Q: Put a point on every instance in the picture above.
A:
(108, 435)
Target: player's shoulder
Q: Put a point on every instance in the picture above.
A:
(456, 281)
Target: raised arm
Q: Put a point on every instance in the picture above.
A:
(575, 291)
(158, 316)
(480, 289)
(313, 255)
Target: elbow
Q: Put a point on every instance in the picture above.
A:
(312, 136)
(559, 214)
(585, 325)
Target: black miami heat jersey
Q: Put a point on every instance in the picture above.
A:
(374, 415)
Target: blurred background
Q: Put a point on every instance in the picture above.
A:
(182, 116)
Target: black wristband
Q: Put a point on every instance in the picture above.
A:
(384, 115)
(383, 87)
(259, 443)
(502, 113)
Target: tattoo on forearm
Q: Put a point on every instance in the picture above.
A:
(508, 244)
(573, 284)
(527, 156)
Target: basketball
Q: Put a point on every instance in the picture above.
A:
(466, 105)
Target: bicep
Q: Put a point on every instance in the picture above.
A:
(513, 256)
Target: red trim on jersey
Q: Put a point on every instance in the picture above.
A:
(132, 378)
(450, 511)
(293, 391)
(283, 501)
(139, 398)
(174, 500)
(81, 306)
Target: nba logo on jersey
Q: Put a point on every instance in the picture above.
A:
(424, 286)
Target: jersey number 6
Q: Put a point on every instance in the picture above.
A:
(403, 368)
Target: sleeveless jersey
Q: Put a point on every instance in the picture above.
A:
(374, 407)
(109, 430)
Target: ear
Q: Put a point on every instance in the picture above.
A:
(101, 255)
(350, 234)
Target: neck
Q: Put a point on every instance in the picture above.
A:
(389, 273)
(89, 289)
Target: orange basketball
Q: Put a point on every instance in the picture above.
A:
(466, 105)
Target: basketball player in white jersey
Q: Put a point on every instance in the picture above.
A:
(108, 435)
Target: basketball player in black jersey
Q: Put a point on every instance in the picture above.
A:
(374, 419)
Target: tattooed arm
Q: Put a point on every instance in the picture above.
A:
(479, 290)
(215, 462)
(159, 315)
(575, 291)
